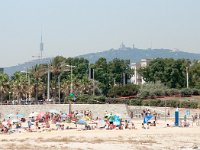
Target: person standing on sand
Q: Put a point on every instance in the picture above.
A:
(36, 124)
(168, 113)
(29, 124)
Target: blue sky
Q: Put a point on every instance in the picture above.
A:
(74, 27)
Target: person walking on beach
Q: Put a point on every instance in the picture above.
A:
(29, 125)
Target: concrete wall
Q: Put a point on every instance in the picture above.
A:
(161, 110)
(97, 109)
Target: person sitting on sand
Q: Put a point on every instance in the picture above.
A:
(57, 125)
(62, 126)
(36, 124)
(126, 124)
(5, 129)
(153, 124)
(107, 124)
(143, 127)
(131, 125)
(23, 120)
(18, 125)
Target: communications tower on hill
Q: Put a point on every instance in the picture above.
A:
(41, 47)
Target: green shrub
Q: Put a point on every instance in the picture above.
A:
(155, 102)
(172, 103)
(81, 99)
(143, 94)
(172, 92)
(194, 105)
(195, 91)
(145, 102)
(186, 92)
(152, 90)
(127, 90)
(136, 102)
(152, 94)
(116, 101)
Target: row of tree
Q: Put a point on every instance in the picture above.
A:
(108, 76)
(172, 73)
(32, 83)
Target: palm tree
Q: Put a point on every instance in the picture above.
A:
(4, 79)
(37, 72)
(57, 67)
(19, 85)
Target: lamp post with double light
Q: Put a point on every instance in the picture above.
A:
(71, 85)
(187, 77)
(71, 70)
(9, 96)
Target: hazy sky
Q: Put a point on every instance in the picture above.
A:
(74, 27)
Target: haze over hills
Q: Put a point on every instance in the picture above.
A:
(27, 65)
(132, 54)
(135, 54)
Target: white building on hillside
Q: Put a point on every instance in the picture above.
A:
(137, 78)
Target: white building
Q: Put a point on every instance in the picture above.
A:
(137, 78)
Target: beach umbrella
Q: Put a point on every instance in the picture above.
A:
(20, 115)
(119, 115)
(15, 120)
(63, 115)
(54, 111)
(82, 122)
(69, 115)
(116, 123)
(116, 120)
(10, 116)
(40, 115)
(79, 115)
(33, 114)
(147, 118)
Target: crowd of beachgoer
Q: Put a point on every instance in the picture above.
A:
(57, 120)
(47, 121)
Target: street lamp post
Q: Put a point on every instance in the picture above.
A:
(71, 70)
(59, 85)
(71, 85)
(93, 84)
(187, 77)
(9, 96)
(48, 83)
(165, 110)
(91, 77)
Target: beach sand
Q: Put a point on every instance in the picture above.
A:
(159, 137)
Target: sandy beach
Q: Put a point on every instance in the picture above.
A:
(159, 137)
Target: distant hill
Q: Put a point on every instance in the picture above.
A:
(23, 67)
(133, 54)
